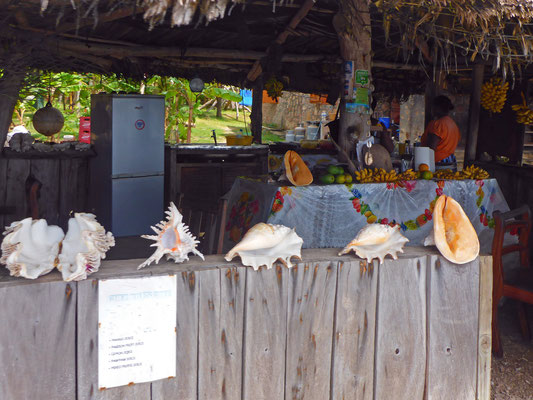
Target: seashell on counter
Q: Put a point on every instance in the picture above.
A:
(172, 239)
(30, 247)
(83, 248)
(376, 241)
(264, 244)
(453, 233)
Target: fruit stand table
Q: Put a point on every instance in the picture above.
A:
(331, 215)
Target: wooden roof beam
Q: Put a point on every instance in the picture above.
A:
(282, 37)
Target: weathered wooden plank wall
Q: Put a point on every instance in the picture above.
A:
(330, 328)
(64, 187)
(38, 341)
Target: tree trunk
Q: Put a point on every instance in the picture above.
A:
(257, 110)
(219, 107)
(352, 24)
(10, 85)
(237, 110)
(189, 127)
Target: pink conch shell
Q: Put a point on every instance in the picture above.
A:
(376, 241)
(172, 238)
(84, 246)
(264, 243)
(30, 247)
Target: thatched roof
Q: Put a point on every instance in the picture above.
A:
(223, 38)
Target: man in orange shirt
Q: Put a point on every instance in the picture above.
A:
(442, 134)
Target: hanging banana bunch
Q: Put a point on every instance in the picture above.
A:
(274, 88)
(524, 114)
(494, 94)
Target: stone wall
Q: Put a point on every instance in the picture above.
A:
(293, 108)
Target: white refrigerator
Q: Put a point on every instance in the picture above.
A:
(127, 174)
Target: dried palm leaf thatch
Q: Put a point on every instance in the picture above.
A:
(496, 29)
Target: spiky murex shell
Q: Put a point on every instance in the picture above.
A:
(172, 239)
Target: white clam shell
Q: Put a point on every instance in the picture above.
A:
(264, 244)
(83, 248)
(376, 241)
(172, 239)
(30, 247)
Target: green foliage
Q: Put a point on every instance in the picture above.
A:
(71, 93)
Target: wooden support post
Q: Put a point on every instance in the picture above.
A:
(257, 110)
(352, 24)
(473, 113)
(429, 96)
(10, 85)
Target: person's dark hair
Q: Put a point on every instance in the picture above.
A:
(444, 103)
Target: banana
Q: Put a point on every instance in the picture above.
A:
(494, 95)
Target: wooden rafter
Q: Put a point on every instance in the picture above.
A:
(282, 37)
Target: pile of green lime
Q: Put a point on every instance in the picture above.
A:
(335, 174)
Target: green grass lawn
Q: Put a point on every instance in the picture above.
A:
(203, 129)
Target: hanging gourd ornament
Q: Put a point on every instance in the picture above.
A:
(48, 120)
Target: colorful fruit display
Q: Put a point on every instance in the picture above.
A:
(380, 175)
(494, 95)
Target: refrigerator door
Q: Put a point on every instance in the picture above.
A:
(138, 135)
(137, 204)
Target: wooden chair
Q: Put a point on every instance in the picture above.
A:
(207, 226)
(519, 287)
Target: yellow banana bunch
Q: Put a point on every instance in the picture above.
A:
(524, 115)
(378, 175)
(408, 175)
(448, 174)
(365, 175)
(494, 95)
(472, 172)
(384, 176)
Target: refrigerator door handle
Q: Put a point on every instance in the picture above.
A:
(140, 175)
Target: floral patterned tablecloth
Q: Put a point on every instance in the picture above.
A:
(331, 215)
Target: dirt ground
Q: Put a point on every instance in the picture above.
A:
(512, 375)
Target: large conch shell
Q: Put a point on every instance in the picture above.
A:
(83, 248)
(30, 247)
(296, 170)
(172, 238)
(264, 243)
(376, 241)
(453, 233)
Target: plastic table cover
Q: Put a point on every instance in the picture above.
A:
(332, 215)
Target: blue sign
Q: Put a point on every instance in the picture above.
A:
(139, 124)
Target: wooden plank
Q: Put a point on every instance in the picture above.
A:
(401, 330)
(183, 387)
(485, 328)
(220, 334)
(3, 189)
(87, 357)
(38, 341)
(68, 188)
(265, 327)
(47, 172)
(311, 304)
(355, 324)
(17, 173)
(82, 190)
(453, 295)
